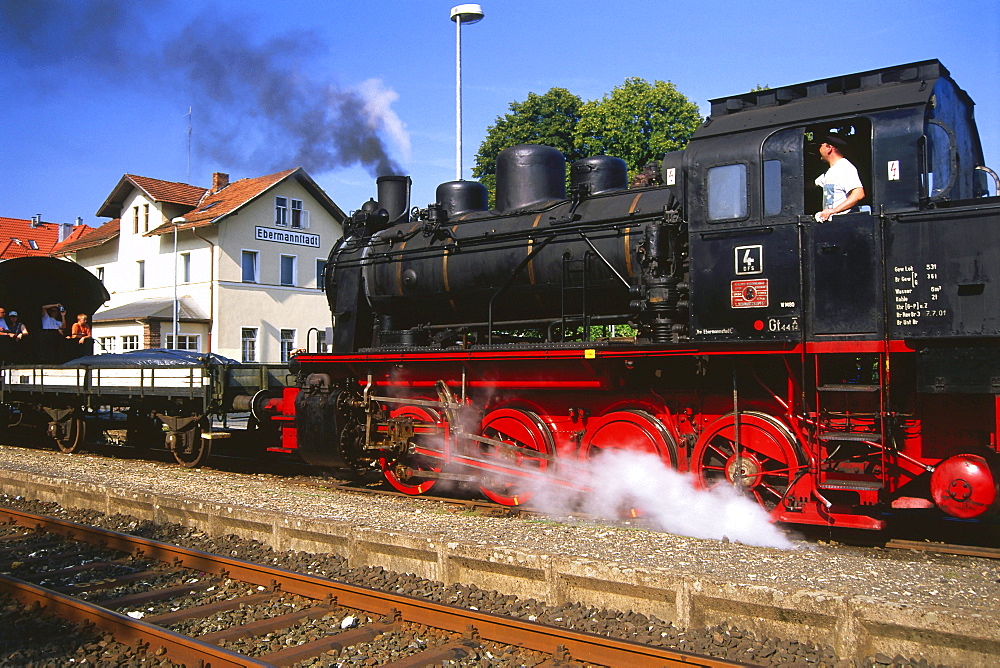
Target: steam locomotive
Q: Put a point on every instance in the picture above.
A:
(836, 372)
(833, 371)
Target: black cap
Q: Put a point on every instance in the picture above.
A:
(834, 140)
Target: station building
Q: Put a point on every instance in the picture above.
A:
(244, 259)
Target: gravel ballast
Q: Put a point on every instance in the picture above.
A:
(902, 578)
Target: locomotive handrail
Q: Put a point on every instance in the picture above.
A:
(517, 270)
(605, 260)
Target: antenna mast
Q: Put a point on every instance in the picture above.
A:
(189, 115)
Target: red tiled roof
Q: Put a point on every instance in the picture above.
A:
(88, 237)
(155, 189)
(216, 205)
(168, 191)
(44, 235)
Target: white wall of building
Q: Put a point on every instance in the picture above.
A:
(216, 282)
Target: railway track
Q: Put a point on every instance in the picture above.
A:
(100, 564)
(944, 548)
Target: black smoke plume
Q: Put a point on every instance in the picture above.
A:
(258, 102)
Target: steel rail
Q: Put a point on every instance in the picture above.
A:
(179, 648)
(504, 630)
(944, 548)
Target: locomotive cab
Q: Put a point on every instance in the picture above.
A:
(750, 199)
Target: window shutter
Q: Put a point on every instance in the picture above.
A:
(305, 219)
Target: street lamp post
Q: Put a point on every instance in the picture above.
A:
(460, 14)
(175, 222)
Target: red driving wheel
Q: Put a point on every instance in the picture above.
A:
(404, 473)
(529, 446)
(635, 430)
(631, 430)
(763, 463)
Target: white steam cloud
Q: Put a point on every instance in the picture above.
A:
(620, 480)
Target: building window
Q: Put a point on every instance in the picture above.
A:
(145, 217)
(320, 266)
(135, 219)
(288, 267)
(130, 342)
(287, 343)
(184, 342)
(107, 344)
(300, 217)
(249, 344)
(185, 267)
(141, 268)
(321, 341)
(99, 272)
(281, 211)
(251, 268)
(727, 192)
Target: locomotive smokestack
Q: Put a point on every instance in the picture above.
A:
(394, 197)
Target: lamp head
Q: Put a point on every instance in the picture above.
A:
(469, 13)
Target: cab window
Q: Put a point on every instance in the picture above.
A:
(727, 192)
(937, 176)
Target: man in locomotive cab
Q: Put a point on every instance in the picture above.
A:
(842, 188)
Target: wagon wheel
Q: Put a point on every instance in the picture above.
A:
(766, 464)
(190, 449)
(630, 430)
(404, 472)
(526, 434)
(72, 434)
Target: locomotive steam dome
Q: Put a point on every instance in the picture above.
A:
(529, 175)
(599, 174)
(458, 197)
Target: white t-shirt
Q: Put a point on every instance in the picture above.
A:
(48, 322)
(838, 182)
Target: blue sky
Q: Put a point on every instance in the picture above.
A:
(94, 89)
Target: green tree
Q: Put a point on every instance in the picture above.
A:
(638, 122)
(548, 119)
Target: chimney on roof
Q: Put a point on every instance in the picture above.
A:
(79, 222)
(219, 181)
(36, 220)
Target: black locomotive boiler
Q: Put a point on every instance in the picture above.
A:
(834, 371)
